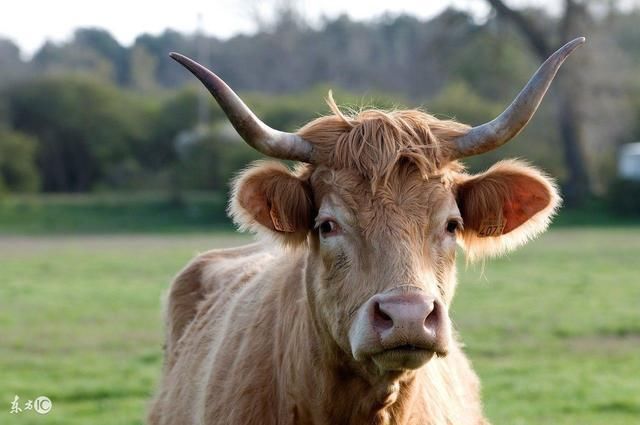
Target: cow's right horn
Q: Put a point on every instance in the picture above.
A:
(271, 142)
(507, 125)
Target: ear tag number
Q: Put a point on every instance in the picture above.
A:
(491, 227)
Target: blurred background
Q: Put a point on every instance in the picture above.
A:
(115, 163)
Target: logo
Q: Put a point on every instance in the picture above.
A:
(42, 405)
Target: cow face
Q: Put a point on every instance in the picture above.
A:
(387, 264)
(382, 245)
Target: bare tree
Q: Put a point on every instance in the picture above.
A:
(270, 14)
(575, 17)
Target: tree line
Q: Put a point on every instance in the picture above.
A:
(91, 114)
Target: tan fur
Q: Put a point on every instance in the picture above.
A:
(374, 141)
(269, 368)
(258, 334)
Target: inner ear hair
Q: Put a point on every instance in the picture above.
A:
(505, 206)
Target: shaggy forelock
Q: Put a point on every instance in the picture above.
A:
(372, 142)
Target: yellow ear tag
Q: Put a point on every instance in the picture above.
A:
(280, 226)
(491, 227)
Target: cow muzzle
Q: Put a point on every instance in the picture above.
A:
(400, 329)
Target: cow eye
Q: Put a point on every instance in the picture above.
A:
(452, 226)
(328, 228)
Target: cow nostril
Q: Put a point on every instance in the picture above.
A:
(381, 319)
(381, 314)
(431, 322)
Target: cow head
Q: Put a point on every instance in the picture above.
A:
(380, 201)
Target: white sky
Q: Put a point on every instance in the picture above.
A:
(30, 22)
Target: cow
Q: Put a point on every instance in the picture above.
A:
(338, 314)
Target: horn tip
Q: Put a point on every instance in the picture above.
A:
(568, 48)
(576, 42)
(183, 60)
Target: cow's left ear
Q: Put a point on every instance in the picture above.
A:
(504, 207)
(269, 199)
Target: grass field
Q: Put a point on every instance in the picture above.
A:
(553, 330)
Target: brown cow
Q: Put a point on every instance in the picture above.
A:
(341, 315)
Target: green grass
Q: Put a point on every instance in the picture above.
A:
(553, 330)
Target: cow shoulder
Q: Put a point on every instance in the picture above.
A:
(208, 276)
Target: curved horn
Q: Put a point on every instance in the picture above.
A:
(509, 123)
(271, 142)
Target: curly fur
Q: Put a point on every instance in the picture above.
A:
(373, 142)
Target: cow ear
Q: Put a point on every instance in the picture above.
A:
(268, 198)
(504, 207)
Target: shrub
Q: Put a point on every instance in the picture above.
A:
(18, 171)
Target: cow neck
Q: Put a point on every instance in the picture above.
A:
(336, 388)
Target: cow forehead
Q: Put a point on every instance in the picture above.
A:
(406, 201)
(374, 142)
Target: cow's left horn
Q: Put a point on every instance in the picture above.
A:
(509, 123)
(271, 142)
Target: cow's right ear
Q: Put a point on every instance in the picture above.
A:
(504, 207)
(269, 198)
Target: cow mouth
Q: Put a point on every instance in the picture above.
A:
(403, 357)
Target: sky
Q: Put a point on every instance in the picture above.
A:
(29, 23)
